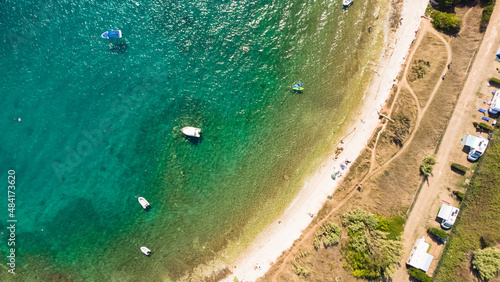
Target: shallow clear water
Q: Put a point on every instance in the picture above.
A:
(100, 124)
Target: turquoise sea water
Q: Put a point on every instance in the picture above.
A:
(100, 124)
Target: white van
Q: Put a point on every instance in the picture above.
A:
(495, 103)
(476, 144)
(448, 215)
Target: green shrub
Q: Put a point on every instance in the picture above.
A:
(446, 22)
(446, 4)
(358, 220)
(460, 196)
(301, 270)
(487, 262)
(419, 69)
(459, 167)
(419, 275)
(427, 165)
(438, 232)
(494, 81)
(485, 126)
(331, 233)
(487, 11)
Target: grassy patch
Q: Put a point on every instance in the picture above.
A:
(393, 226)
(479, 217)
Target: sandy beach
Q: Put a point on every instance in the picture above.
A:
(280, 235)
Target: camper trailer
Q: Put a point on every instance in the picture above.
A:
(495, 103)
(448, 215)
(477, 145)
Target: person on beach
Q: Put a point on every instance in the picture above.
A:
(359, 187)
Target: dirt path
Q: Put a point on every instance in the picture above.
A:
(421, 111)
(415, 224)
(308, 236)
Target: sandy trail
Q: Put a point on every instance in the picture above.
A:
(277, 238)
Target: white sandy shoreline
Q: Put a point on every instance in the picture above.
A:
(276, 238)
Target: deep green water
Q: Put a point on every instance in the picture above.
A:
(97, 127)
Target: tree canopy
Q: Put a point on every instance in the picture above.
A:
(487, 262)
(445, 21)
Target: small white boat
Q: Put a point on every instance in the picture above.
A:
(144, 203)
(347, 3)
(191, 131)
(145, 251)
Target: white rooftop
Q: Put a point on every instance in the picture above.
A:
(419, 258)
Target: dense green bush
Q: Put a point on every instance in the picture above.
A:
(369, 254)
(460, 196)
(358, 220)
(446, 22)
(446, 4)
(487, 11)
(427, 165)
(331, 233)
(485, 126)
(438, 232)
(419, 275)
(487, 262)
(459, 167)
(495, 81)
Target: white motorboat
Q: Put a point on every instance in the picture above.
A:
(145, 251)
(347, 3)
(144, 203)
(191, 131)
(111, 34)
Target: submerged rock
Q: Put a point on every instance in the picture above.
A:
(118, 48)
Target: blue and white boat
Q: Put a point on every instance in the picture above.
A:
(110, 34)
(297, 85)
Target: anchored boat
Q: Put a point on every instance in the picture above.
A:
(110, 34)
(191, 131)
(145, 251)
(144, 203)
